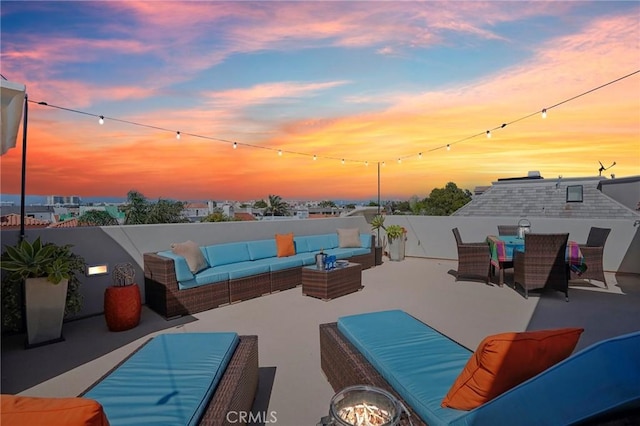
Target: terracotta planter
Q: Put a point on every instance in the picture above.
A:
(122, 307)
(45, 303)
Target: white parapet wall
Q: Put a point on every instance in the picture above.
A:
(427, 236)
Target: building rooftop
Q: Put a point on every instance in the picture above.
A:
(536, 197)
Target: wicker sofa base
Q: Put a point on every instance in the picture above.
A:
(235, 391)
(163, 295)
(344, 365)
(286, 279)
(249, 287)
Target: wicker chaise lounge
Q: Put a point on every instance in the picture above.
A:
(234, 392)
(421, 367)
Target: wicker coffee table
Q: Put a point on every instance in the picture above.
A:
(327, 285)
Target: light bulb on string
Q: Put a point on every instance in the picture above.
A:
(343, 161)
(420, 155)
(399, 160)
(383, 164)
(178, 135)
(315, 157)
(101, 120)
(448, 147)
(544, 113)
(280, 152)
(235, 145)
(488, 134)
(366, 163)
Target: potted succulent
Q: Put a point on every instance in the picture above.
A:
(377, 223)
(122, 304)
(46, 270)
(397, 235)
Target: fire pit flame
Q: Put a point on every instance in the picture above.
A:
(364, 415)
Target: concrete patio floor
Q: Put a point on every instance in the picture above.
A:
(292, 383)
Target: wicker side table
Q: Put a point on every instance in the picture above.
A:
(327, 285)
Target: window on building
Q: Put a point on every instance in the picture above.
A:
(574, 194)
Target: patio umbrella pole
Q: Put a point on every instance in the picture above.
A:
(24, 166)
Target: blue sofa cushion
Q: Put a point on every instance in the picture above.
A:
(262, 249)
(243, 269)
(301, 244)
(210, 276)
(315, 243)
(183, 273)
(169, 381)
(418, 362)
(365, 240)
(281, 263)
(224, 254)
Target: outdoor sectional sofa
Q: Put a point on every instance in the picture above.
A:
(239, 271)
(396, 352)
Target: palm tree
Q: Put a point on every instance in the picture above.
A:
(137, 208)
(277, 207)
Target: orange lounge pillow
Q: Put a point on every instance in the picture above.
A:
(284, 244)
(32, 411)
(505, 360)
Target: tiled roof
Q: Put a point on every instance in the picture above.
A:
(196, 206)
(69, 223)
(13, 220)
(244, 216)
(546, 198)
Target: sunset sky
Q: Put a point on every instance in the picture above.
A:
(366, 82)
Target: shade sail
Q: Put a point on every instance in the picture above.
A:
(12, 105)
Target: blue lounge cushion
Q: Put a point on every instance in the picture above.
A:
(169, 381)
(418, 362)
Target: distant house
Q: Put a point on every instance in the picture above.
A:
(197, 210)
(44, 213)
(534, 196)
(12, 221)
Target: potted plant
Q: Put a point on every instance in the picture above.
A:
(122, 304)
(397, 235)
(377, 223)
(46, 271)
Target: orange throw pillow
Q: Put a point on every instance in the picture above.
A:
(505, 360)
(284, 243)
(23, 410)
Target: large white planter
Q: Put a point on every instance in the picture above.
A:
(396, 249)
(45, 303)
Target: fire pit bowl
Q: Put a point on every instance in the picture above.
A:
(363, 405)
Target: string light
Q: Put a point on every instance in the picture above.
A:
(420, 156)
(399, 160)
(343, 161)
(366, 163)
(384, 164)
(543, 112)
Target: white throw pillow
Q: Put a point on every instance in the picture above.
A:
(192, 254)
(349, 237)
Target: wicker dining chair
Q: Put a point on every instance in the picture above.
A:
(593, 252)
(473, 258)
(507, 230)
(542, 264)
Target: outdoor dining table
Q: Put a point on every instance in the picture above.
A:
(502, 249)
